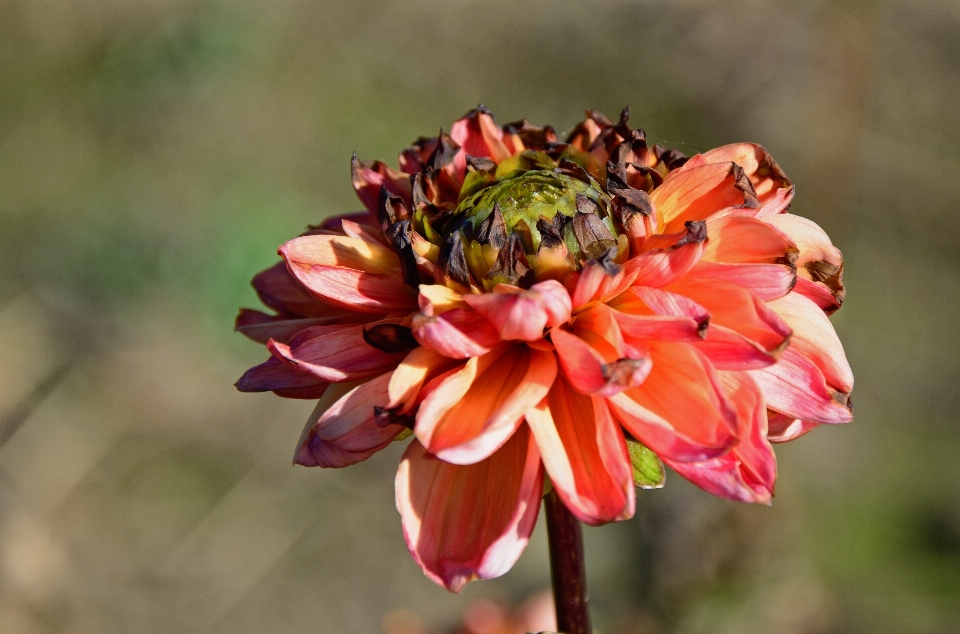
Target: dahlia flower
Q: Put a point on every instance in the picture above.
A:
(531, 311)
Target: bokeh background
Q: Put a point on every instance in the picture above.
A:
(153, 154)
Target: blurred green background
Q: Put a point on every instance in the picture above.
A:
(154, 153)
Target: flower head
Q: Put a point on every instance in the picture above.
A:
(579, 310)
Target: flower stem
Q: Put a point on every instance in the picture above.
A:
(567, 568)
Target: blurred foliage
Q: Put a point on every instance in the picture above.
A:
(153, 154)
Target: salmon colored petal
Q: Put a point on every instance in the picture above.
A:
(695, 193)
(342, 355)
(815, 338)
(767, 281)
(598, 282)
(737, 308)
(744, 240)
(769, 181)
(343, 429)
(590, 373)
(648, 313)
(463, 523)
(342, 252)
(748, 472)
(274, 376)
(458, 334)
(369, 176)
(819, 264)
(436, 299)
(476, 409)
(795, 386)
(661, 266)
(680, 411)
(418, 367)
(584, 452)
(522, 315)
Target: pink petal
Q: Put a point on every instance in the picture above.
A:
(369, 176)
(819, 293)
(335, 223)
(343, 429)
(782, 428)
(462, 523)
(356, 290)
(522, 315)
(279, 290)
(458, 333)
(342, 355)
(274, 376)
(767, 281)
(815, 338)
(729, 350)
(261, 327)
(585, 455)
(795, 386)
(680, 411)
(748, 472)
(478, 135)
(474, 410)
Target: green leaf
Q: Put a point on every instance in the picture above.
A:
(647, 469)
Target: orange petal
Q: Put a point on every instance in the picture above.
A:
(767, 178)
(418, 367)
(343, 430)
(748, 472)
(341, 251)
(585, 455)
(462, 523)
(736, 308)
(474, 410)
(695, 193)
(590, 372)
(745, 240)
(680, 411)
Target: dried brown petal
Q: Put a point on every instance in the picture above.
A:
(446, 149)
(742, 182)
(493, 230)
(399, 234)
(512, 265)
(452, 262)
(592, 234)
(390, 337)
